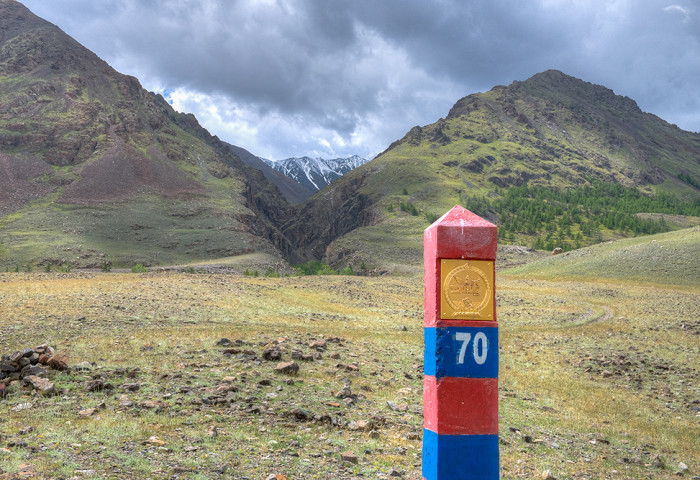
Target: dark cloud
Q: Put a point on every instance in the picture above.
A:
(293, 77)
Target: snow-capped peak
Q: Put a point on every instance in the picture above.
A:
(315, 173)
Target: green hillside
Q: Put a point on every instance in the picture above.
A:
(667, 258)
(524, 156)
(96, 170)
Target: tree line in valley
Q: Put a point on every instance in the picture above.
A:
(548, 218)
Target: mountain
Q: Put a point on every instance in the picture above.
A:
(293, 191)
(95, 169)
(553, 158)
(315, 173)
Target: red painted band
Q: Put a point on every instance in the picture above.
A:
(461, 406)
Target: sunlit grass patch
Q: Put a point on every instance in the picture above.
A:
(567, 348)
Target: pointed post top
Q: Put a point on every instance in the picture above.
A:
(461, 234)
(459, 216)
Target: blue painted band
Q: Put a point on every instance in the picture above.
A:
(467, 352)
(460, 457)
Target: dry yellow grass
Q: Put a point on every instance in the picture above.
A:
(598, 380)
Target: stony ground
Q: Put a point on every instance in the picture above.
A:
(197, 376)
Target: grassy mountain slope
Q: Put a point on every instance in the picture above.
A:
(552, 132)
(663, 259)
(96, 169)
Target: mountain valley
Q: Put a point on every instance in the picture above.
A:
(99, 172)
(210, 317)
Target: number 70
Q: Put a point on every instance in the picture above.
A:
(479, 338)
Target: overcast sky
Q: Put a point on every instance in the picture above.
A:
(333, 78)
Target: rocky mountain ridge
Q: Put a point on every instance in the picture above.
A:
(552, 132)
(96, 169)
(315, 173)
(293, 191)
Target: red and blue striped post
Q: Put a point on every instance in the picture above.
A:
(460, 393)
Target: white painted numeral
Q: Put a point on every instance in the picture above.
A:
(463, 337)
(481, 344)
(480, 338)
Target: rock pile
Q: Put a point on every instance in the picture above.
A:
(31, 367)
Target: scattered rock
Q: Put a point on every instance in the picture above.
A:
(272, 354)
(58, 361)
(82, 367)
(41, 385)
(28, 363)
(88, 412)
(301, 414)
(88, 473)
(349, 457)
(361, 425)
(287, 368)
(27, 471)
(547, 475)
(318, 345)
(35, 370)
(15, 357)
(226, 388)
(156, 441)
(397, 407)
(395, 473)
(98, 385)
(344, 392)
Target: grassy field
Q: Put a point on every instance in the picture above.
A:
(599, 374)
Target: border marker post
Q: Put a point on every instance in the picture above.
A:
(460, 387)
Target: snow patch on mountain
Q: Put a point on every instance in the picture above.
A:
(315, 173)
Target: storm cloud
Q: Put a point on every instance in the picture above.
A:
(334, 77)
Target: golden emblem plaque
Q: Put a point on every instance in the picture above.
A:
(467, 290)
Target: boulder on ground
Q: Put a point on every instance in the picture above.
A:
(287, 368)
(41, 385)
